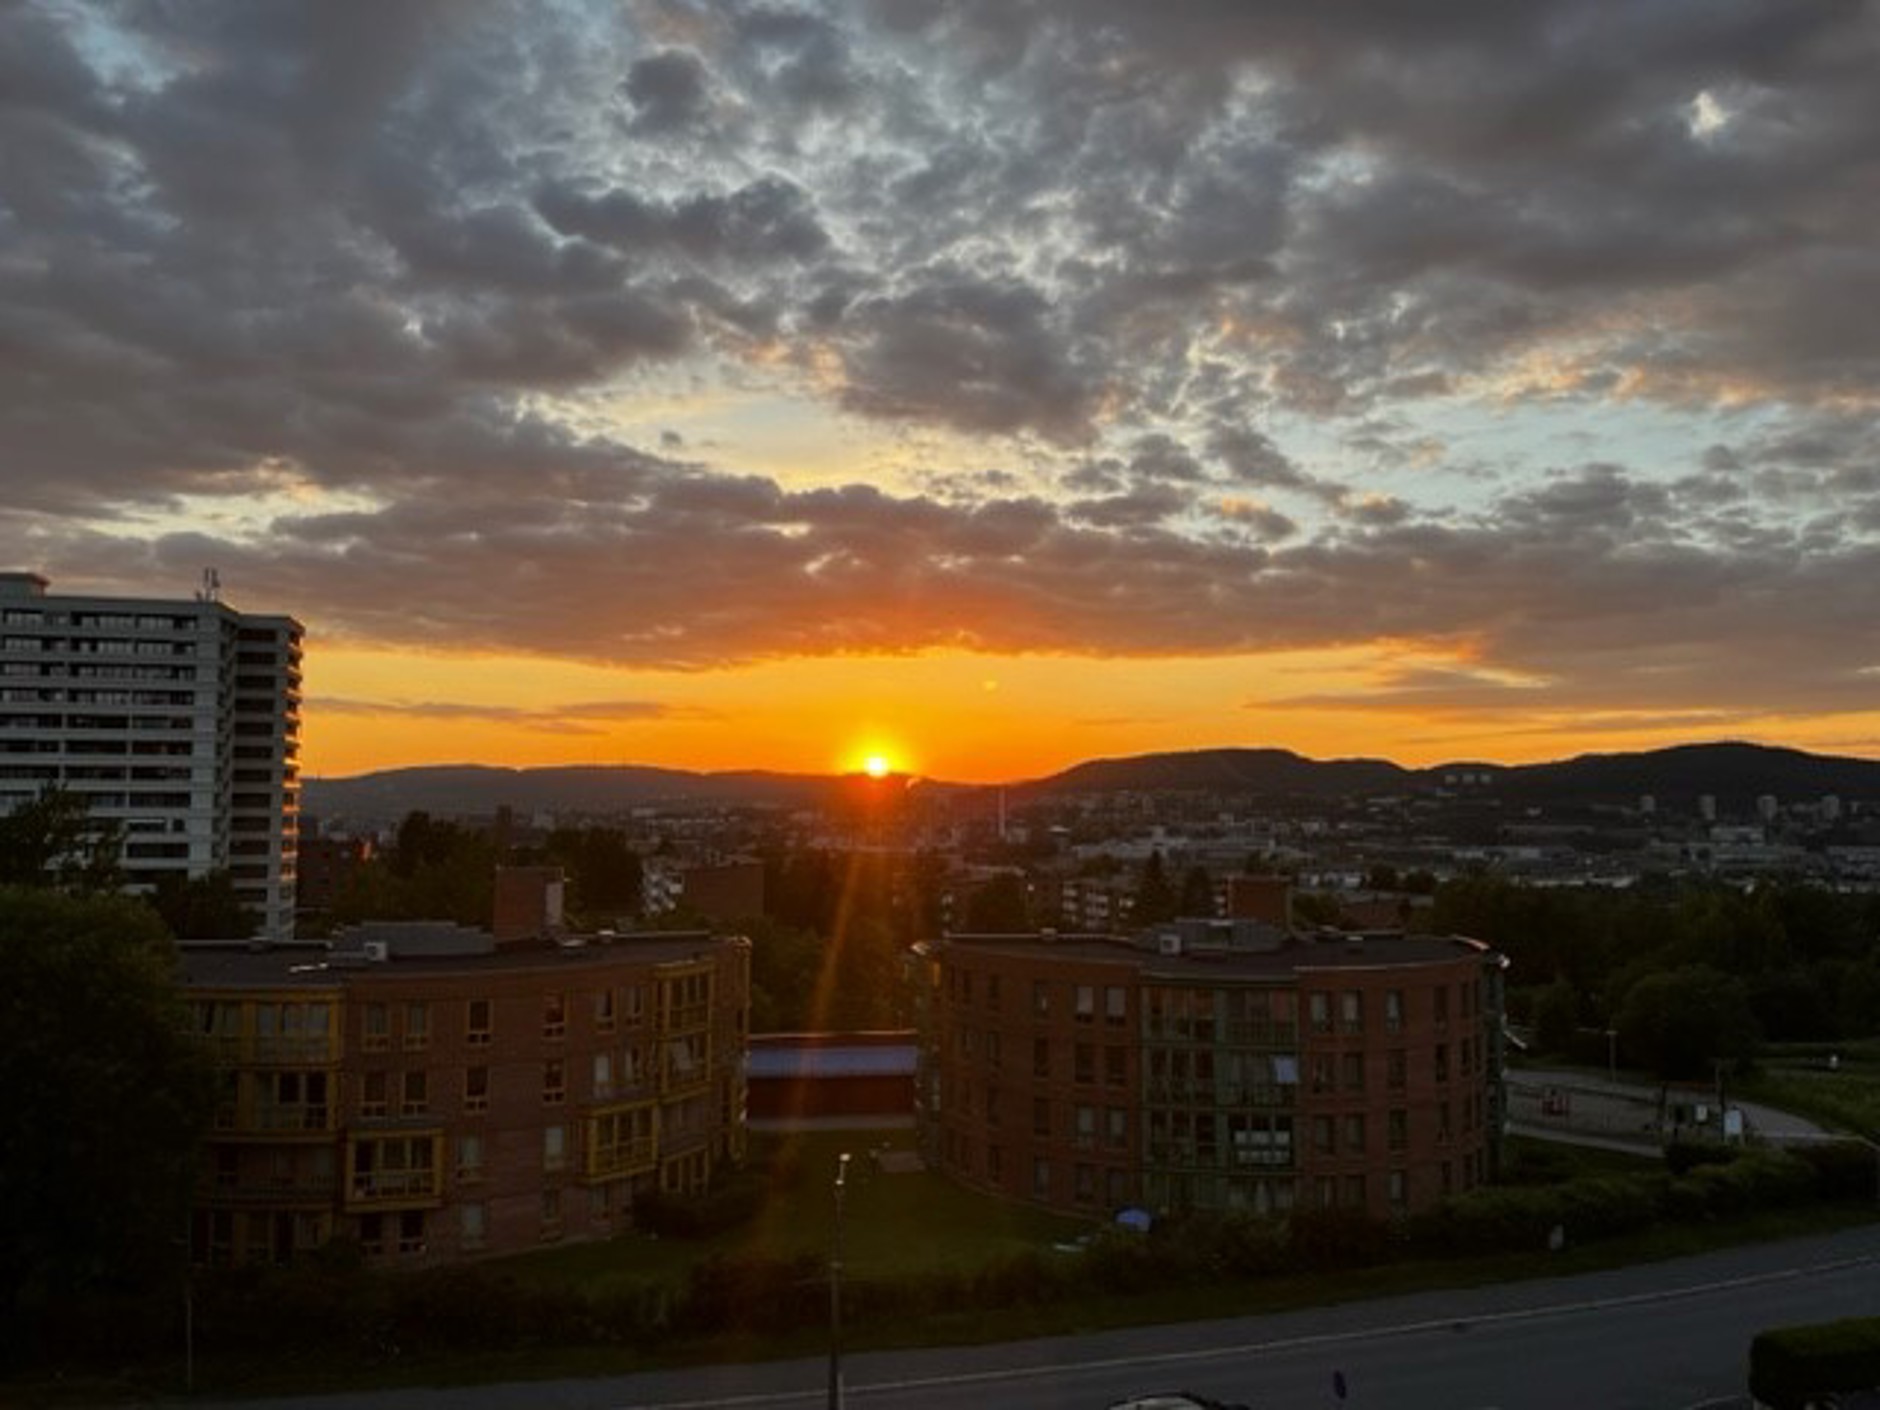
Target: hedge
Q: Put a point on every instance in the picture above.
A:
(1792, 1367)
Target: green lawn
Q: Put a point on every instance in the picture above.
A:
(892, 1223)
(1798, 1082)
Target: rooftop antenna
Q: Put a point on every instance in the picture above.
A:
(211, 589)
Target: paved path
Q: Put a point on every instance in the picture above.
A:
(1625, 1114)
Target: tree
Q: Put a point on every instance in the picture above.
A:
(204, 907)
(1155, 898)
(55, 841)
(1197, 893)
(1556, 1016)
(999, 907)
(1680, 1021)
(106, 1099)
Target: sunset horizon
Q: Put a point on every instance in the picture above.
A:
(977, 390)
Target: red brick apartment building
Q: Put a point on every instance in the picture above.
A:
(437, 1096)
(1218, 1065)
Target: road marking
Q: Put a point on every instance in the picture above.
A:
(855, 1391)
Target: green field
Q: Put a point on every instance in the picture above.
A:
(1796, 1078)
(892, 1223)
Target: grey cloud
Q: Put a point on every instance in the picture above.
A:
(670, 89)
(979, 354)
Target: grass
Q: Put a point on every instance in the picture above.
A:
(1847, 1098)
(905, 1223)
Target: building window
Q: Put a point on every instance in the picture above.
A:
(1115, 1066)
(554, 1148)
(635, 995)
(604, 1011)
(1325, 1192)
(377, 1036)
(1041, 1117)
(1040, 1057)
(994, 1116)
(1354, 1072)
(1040, 998)
(995, 1162)
(477, 1023)
(554, 1082)
(1323, 1140)
(1086, 1010)
(1399, 1189)
(1086, 1129)
(1442, 1122)
(1084, 1187)
(417, 1027)
(1319, 1012)
(554, 1016)
(551, 1214)
(469, 1159)
(416, 1096)
(473, 1225)
(1116, 1128)
(1399, 1128)
(995, 1050)
(1351, 1011)
(372, 1093)
(411, 1231)
(476, 1090)
(1397, 1069)
(1442, 1005)
(1354, 1133)
(1354, 1192)
(1084, 1066)
(603, 1076)
(1442, 1062)
(1324, 1074)
(1041, 1178)
(1393, 1010)
(1115, 1006)
(993, 997)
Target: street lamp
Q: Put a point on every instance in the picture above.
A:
(835, 1288)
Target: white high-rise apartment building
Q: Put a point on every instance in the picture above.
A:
(179, 719)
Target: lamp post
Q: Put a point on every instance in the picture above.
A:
(835, 1288)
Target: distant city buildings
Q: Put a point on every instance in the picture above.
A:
(179, 720)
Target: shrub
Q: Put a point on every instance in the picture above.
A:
(1791, 1368)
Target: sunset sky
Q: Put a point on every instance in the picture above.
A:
(981, 384)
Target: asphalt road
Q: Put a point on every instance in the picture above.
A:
(1664, 1336)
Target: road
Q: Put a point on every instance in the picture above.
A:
(1664, 1336)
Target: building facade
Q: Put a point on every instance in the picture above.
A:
(1212, 1065)
(436, 1096)
(178, 720)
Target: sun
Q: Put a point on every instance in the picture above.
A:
(877, 766)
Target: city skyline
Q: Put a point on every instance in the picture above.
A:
(976, 388)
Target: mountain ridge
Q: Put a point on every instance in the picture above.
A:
(1730, 770)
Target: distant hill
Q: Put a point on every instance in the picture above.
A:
(1734, 773)
(1257, 771)
(456, 790)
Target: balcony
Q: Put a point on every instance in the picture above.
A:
(628, 1158)
(394, 1187)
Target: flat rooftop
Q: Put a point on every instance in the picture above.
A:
(1290, 955)
(238, 965)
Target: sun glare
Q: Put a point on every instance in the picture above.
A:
(876, 766)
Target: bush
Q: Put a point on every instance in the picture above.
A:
(1684, 1155)
(1336, 1238)
(1843, 1170)
(722, 1208)
(1791, 1368)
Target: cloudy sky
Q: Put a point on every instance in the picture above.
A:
(990, 383)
